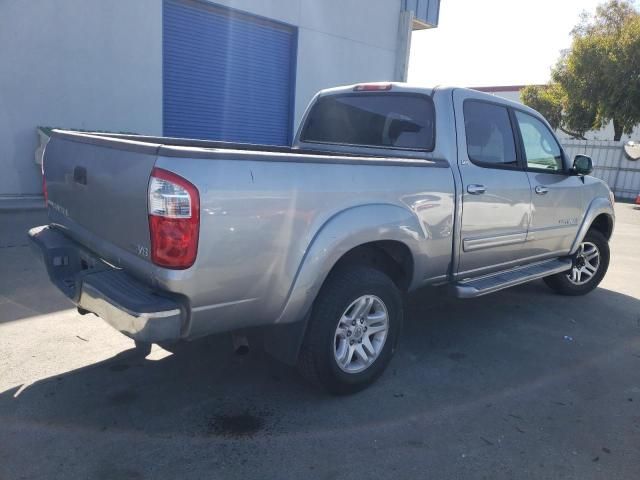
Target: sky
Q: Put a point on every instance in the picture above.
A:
(494, 42)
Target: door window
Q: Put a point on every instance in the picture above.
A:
(489, 134)
(540, 146)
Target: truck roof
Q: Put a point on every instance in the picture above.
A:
(421, 89)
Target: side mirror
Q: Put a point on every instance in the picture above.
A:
(582, 165)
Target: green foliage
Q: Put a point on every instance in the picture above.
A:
(598, 79)
(547, 99)
(572, 117)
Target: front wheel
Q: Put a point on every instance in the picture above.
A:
(352, 331)
(590, 264)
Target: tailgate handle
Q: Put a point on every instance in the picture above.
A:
(80, 175)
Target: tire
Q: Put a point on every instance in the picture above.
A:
(348, 289)
(563, 284)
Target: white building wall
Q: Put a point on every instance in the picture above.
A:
(90, 64)
(356, 42)
(339, 41)
(96, 64)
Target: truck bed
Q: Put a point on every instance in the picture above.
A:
(263, 212)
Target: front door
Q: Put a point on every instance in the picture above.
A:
(557, 196)
(496, 197)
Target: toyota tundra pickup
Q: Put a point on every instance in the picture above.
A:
(387, 188)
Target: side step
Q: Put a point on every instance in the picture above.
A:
(476, 287)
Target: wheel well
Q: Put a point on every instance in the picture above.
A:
(391, 257)
(604, 224)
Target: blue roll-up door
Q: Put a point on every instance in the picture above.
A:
(227, 75)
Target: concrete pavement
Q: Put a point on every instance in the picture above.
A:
(520, 384)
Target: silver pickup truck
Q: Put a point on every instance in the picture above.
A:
(387, 188)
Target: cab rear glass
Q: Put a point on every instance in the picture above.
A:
(380, 120)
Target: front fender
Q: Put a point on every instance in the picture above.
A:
(344, 231)
(598, 206)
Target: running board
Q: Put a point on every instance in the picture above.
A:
(476, 287)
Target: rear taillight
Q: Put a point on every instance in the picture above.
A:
(638, 199)
(174, 220)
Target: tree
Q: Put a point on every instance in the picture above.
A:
(598, 79)
(551, 100)
(547, 99)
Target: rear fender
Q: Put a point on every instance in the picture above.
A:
(341, 233)
(344, 231)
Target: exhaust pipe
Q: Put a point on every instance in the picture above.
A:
(240, 344)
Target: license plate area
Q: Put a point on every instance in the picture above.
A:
(66, 261)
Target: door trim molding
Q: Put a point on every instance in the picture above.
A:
(543, 233)
(478, 243)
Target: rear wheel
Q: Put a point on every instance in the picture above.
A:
(590, 264)
(352, 331)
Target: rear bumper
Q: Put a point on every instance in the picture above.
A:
(124, 302)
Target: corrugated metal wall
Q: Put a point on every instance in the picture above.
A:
(424, 11)
(227, 75)
(610, 164)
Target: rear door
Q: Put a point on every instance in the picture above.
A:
(496, 197)
(557, 195)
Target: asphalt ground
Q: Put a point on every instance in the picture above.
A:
(520, 384)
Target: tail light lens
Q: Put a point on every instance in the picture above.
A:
(174, 219)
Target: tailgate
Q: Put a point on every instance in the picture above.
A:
(97, 191)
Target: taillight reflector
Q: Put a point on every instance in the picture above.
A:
(174, 219)
(372, 87)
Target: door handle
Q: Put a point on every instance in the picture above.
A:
(540, 190)
(475, 189)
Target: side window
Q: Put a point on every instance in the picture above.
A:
(540, 147)
(489, 134)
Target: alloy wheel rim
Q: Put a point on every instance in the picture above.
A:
(585, 265)
(361, 334)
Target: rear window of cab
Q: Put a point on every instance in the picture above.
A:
(379, 120)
